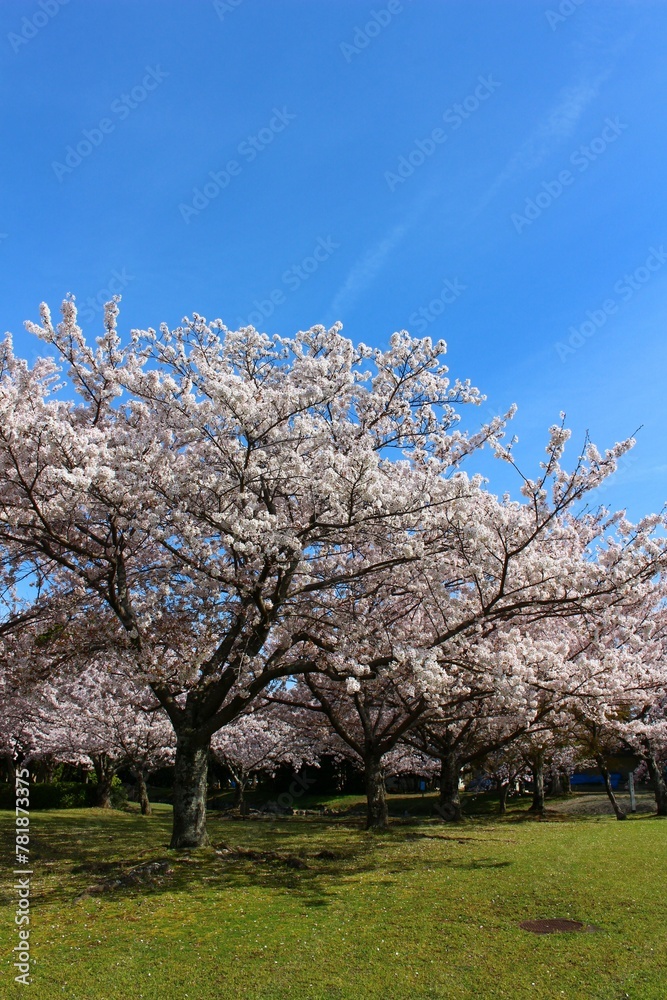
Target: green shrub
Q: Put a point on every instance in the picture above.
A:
(55, 795)
(118, 793)
(64, 794)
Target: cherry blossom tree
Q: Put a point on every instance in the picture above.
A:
(622, 657)
(368, 717)
(207, 490)
(507, 769)
(260, 741)
(635, 724)
(499, 693)
(18, 718)
(101, 720)
(210, 508)
(634, 712)
(645, 733)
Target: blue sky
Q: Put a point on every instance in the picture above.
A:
(491, 173)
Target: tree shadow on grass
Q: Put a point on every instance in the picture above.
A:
(122, 857)
(478, 864)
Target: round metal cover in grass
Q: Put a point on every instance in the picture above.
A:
(551, 926)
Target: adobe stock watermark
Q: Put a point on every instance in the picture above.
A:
(565, 9)
(454, 117)
(249, 149)
(223, 7)
(421, 318)
(94, 304)
(291, 279)
(120, 108)
(32, 25)
(21, 950)
(625, 289)
(581, 158)
(375, 25)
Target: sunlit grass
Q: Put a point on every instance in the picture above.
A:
(423, 910)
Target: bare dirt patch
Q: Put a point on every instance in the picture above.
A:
(555, 926)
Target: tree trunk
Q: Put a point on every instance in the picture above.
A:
(377, 814)
(449, 801)
(503, 789)
(556, 782)
(190, 786)
(567, 785)
(8, 769)
(103, 794)
(240, 800)
(143, 794)
(609, 790)
(659, 786)
(104, 773)
(537, 771)
(45, 770)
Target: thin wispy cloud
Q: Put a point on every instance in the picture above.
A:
(368, 266)
(558, 125)
(365, 270)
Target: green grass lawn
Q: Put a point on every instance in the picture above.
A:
(422, 911)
